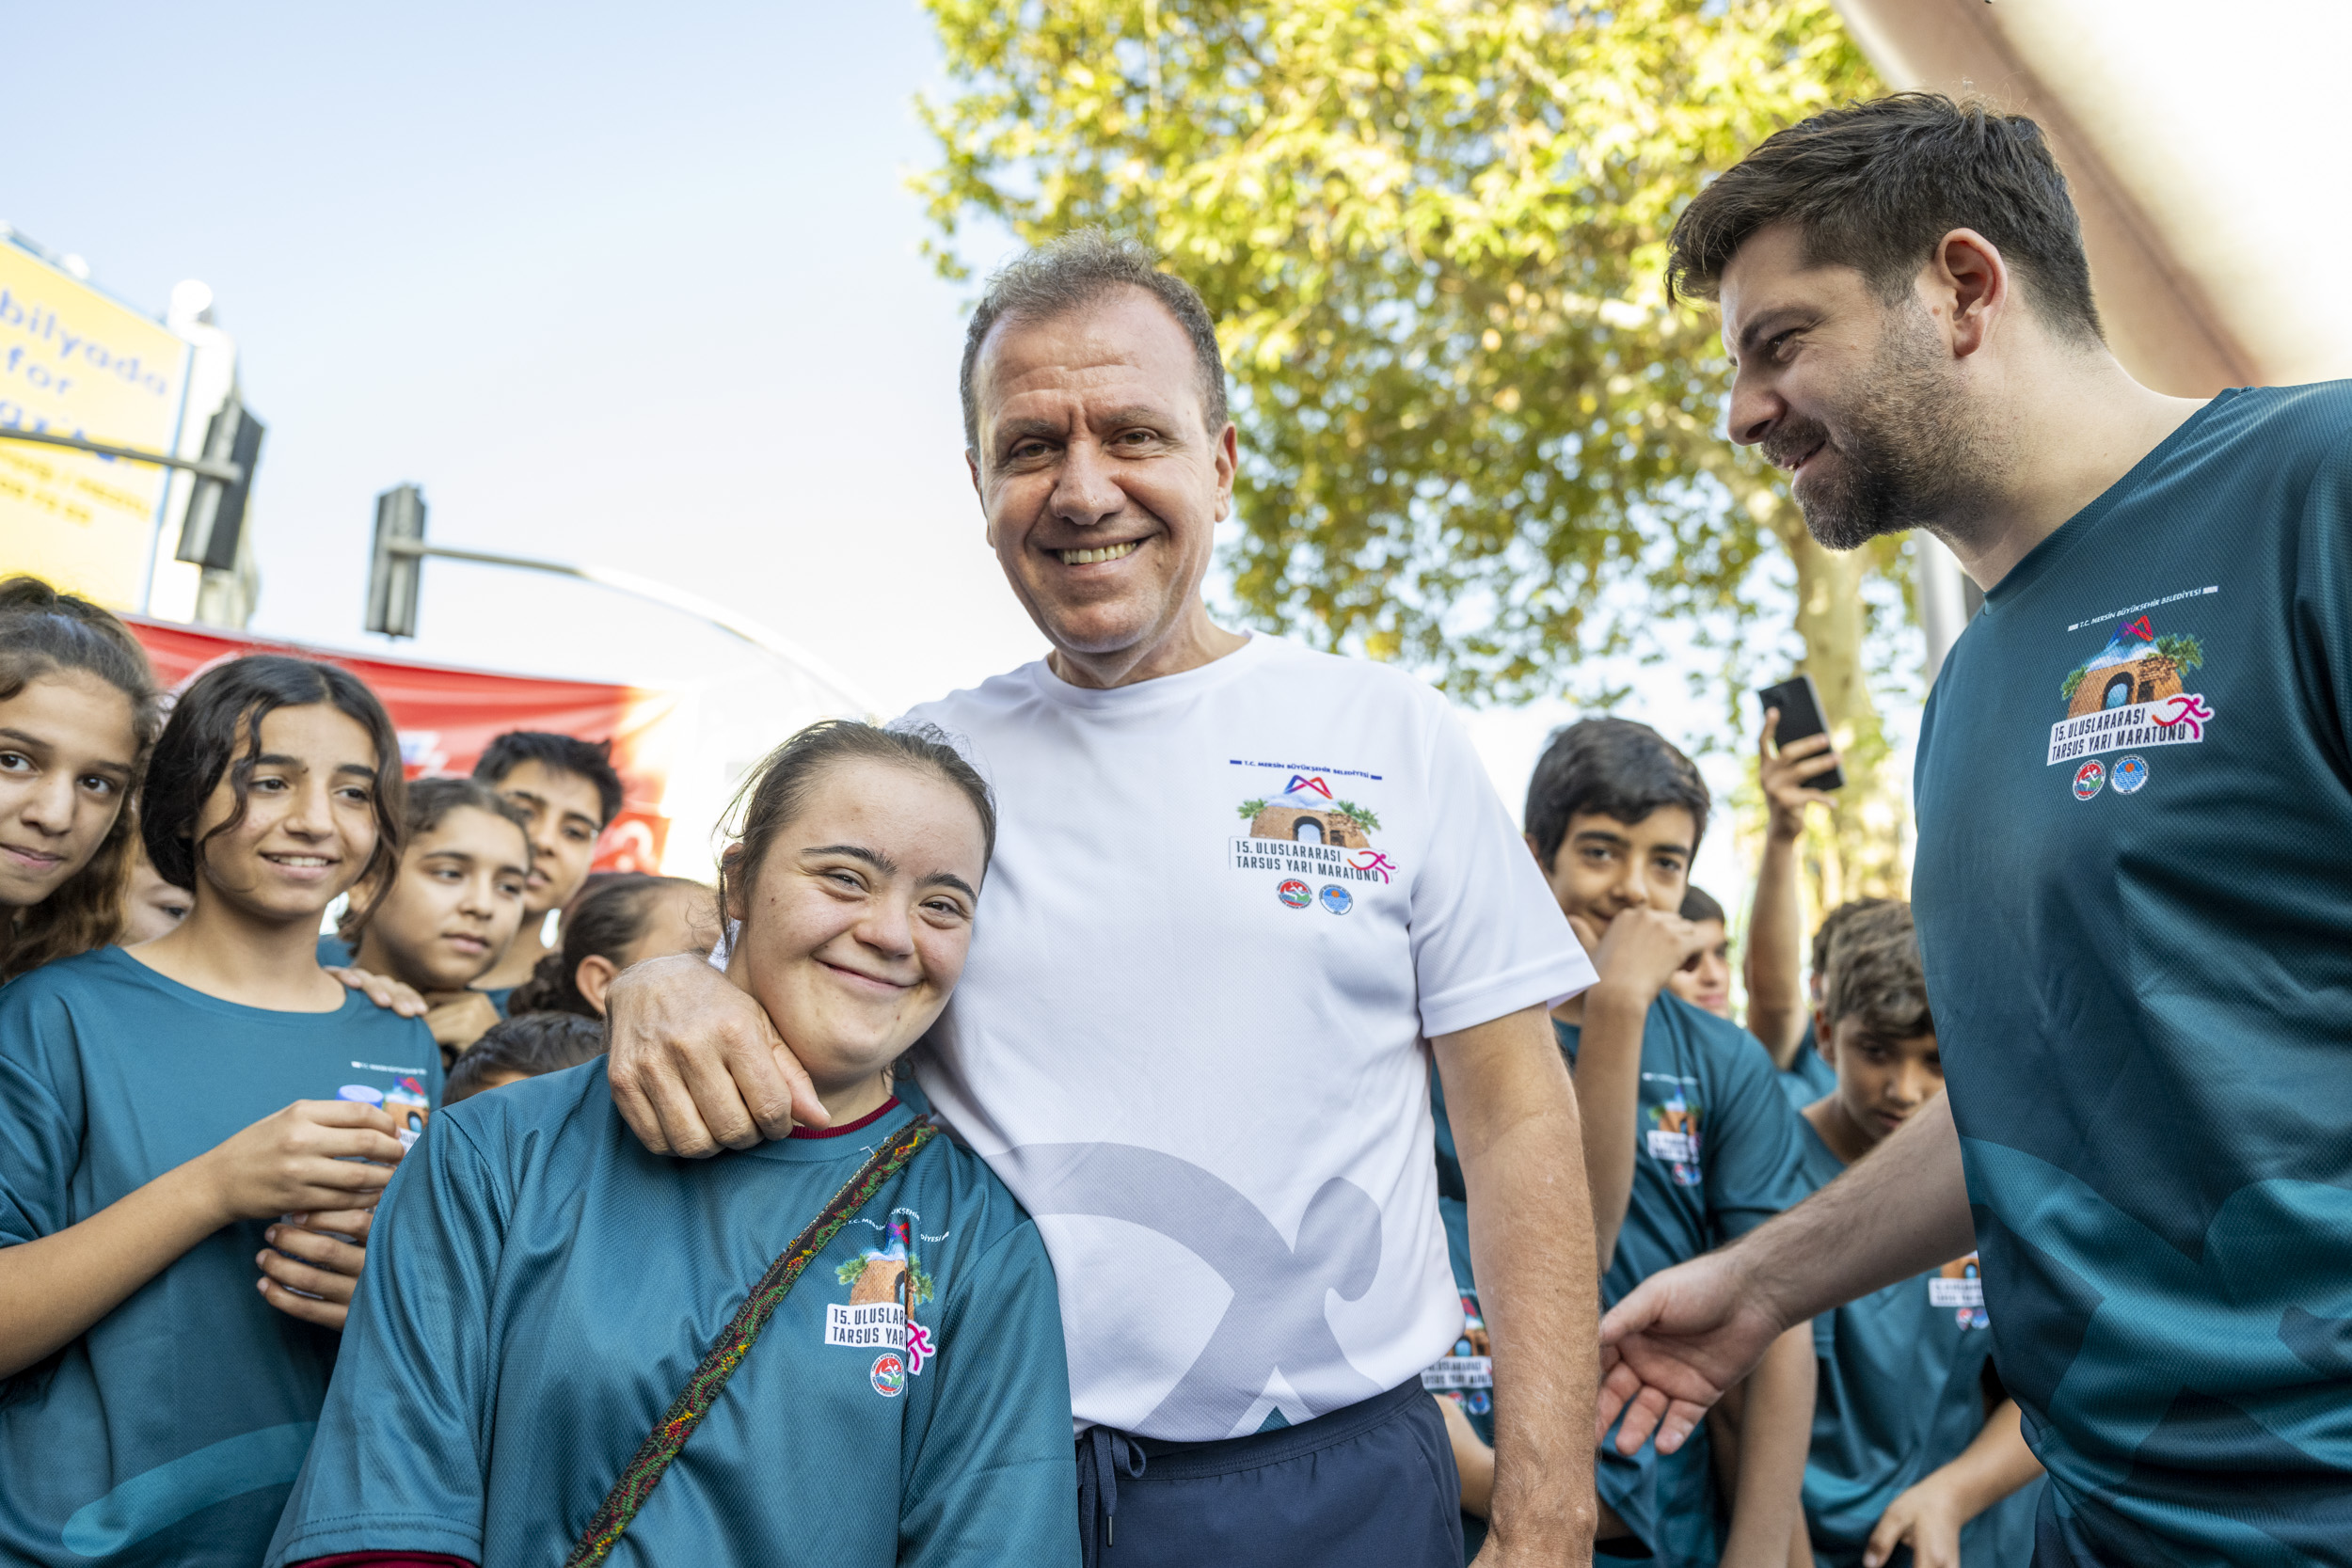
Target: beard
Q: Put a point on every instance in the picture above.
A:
(1903, 445)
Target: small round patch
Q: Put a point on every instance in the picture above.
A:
(2130, 774)
(1338, 900)
(889, 1376)
(2088, 778)
(1295, 895)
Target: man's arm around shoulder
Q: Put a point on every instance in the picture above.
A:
(1531, 1220)
(695, 1064)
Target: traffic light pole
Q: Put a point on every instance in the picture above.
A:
(657, 592)
(227, 473)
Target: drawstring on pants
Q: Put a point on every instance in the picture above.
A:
(1102, 1455)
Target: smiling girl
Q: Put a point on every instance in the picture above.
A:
(452, 906)
(159, 1397)
(842, 1348)
(77, 713)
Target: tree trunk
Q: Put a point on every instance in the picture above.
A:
(1855, 850)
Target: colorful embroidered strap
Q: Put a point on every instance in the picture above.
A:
(685, 1412)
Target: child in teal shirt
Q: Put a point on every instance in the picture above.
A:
(1909, 1449)
(548, 1288)
(178, 1243)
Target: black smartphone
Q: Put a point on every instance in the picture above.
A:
(1800, 704)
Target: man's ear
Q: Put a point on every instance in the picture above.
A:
(1968, 288)
(593, 977)
(1824, 1037)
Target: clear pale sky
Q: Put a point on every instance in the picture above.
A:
(632, 288)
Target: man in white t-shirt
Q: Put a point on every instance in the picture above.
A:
(1242, 892)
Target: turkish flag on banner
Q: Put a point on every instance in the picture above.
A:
(447, 717)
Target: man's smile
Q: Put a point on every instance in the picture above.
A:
(1099, 553)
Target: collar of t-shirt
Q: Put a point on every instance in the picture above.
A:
(1141, 696)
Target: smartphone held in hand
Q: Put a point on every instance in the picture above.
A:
(1800, 705)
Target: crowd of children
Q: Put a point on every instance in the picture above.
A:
(198, 1121)
(1697, 1130)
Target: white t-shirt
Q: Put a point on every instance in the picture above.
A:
(1228, 909)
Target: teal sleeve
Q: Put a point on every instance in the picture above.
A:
(402, 1445)
(993, 1476)
(1755, 1164)
(40, 1133)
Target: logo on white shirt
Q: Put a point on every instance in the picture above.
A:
(1311, 831)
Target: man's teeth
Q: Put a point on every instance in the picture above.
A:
(1087, 558)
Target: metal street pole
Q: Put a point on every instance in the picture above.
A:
(736, 625)
(228, 473)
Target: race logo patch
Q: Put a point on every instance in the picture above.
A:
(1671, 1136)
(2133, 694)
(1295, 895)
(1960, 1285)
(2130, 774)
(886, 1282)
(2088, 778)
(1312, 832)
(889, 1376)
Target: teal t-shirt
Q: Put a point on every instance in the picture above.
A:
(541, 1287)
(1901, 1393)
(2134, 891)
(1717, 1156)
(1477, 1401)
(169, 1433)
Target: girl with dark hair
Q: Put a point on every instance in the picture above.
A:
(567, 1338)
(77, 713)
(626, 919)
(451, 907)
(158, 1397)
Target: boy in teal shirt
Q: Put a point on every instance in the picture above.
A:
(1688, 1142)
(1909, 1447)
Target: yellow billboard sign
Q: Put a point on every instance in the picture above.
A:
(74, 362)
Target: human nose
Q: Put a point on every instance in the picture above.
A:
(313, 814)
(887, 928)
(1754, 407)
(1914, 1085)
(1084, 491)
(49, 805)
(479, 897)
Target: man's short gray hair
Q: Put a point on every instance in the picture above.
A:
(1074, 272)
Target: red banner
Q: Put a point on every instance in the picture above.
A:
(446, 716)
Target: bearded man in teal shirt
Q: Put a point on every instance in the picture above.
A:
(2134, 878)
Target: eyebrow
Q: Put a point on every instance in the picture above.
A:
(889, 867)
(1597, 836)
(45, 746)
(276, 759)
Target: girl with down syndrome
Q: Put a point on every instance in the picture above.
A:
(841, 1348)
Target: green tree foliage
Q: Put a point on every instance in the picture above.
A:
(2185, 652)
(1251, 808)
(1361, 816)
(1475, 436)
